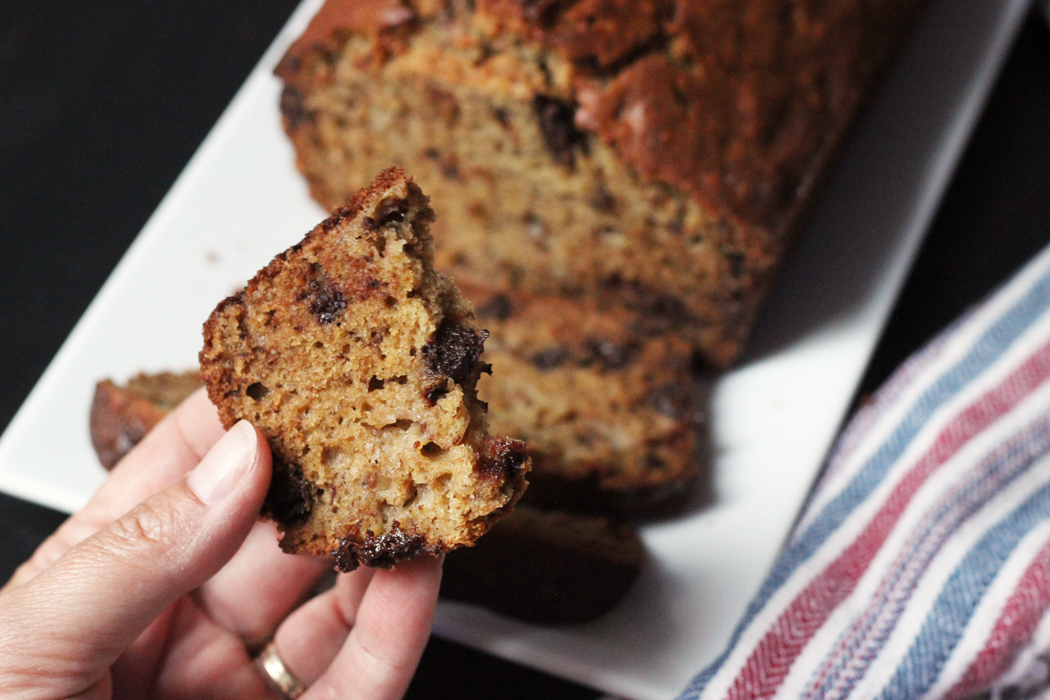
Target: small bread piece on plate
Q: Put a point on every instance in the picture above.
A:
(122, 415)
(548, 567)
(358, 362)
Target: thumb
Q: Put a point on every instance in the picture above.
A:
(64, 628)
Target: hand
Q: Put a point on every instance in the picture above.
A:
(169, 598)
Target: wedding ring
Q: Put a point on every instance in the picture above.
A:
(274, 669)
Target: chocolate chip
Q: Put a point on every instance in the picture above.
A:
(502, 458)
(549, 358)
(454, 350)
(326, 302)
(498, 307)
(502, 116)
(541, 11)
(257, 391)
(391, 547)
(560, 135)
(345, 557)
(737, 262)
(290, 497)
(294, 109)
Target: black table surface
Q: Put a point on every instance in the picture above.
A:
(102, 104)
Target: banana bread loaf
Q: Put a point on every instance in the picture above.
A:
(655, 152)
(359, 363)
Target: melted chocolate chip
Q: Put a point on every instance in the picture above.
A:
(498, 306)
(560, 135)
(345, 557)
(290, 497)
(737, 263)
(549, 358)
(502, 458)
(454, 350)
(383, 551)
(326, 302)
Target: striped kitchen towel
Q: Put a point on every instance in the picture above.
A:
(920, 567)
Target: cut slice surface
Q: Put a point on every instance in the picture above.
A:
(359, 363)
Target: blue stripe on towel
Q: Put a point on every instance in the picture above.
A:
(985, 351)
(947, 620)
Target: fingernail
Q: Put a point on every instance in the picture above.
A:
(225, 464)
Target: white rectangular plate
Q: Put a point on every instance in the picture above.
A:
(239, 201)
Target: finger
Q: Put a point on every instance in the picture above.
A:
(133, 672)
(309, 640)
(71, 622)
(388, 636)
(163, 457)
(206, 662)
(260, 586)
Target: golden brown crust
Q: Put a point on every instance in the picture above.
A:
(733, 101)
(358, 363)
(736, 102)
(336, 19)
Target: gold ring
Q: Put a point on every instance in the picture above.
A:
(274, 669)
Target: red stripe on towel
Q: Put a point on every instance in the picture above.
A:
(1013, 630)
(769, 663)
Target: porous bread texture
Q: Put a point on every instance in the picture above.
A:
(606, 405)
(659, 152)
(358, 362)
(543, 566)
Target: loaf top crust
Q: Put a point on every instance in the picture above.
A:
(737, 102)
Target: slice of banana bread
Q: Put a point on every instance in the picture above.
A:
(359, 363)
(547, 567)
(606, 403)
(542, 566)
(122, 415)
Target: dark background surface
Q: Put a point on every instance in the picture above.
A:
(102, 104)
